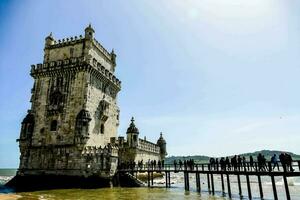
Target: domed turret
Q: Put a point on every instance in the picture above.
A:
(161, 142)
(89, 32)
(132, 134)
(49, 40)
(132, 128)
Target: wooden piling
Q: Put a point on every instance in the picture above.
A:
(212, 184)
(148, 179)
(287, 191)
(260, 187)
(198, 183)
(248, 187)
(208, 183)
(239, 185)
(222, 182)
(169, 179)
(274, 188)
(166, 174)
(228, 186)
(188, 181)
(152, 178)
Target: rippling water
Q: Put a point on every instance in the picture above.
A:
(158, 192)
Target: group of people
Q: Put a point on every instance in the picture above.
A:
(186, 164)
(236, 163)
(239, 162)
(150, 164)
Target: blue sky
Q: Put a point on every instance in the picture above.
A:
(216, 77)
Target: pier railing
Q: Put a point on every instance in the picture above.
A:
(246, 169)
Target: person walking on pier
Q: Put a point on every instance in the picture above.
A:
(282, 161)
(234, 162)
(251, 162)
(239, 159)
(227, 162)
(175, 164)
(289, 162)
(180, 165)
(222, 164)
(212, 163)
(274, 161)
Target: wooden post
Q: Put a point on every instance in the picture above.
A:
(228, 186)
(152, 178)
(222, 181)
(198, 183)
(287, 191)
(260, 187)
(248, 187)
(169, 177)
(188, 181)
(166, 179)
(208, 183)
(148, 179)
(274, 188)
(239, 185)
(212, 184)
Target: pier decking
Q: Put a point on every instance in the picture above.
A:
(246, 169)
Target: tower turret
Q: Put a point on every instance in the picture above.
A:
(161, 142)
(132, 134)
(89, 32)
(49, 40)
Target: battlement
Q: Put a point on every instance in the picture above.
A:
(77, 63)
(64, 42)
(82, 44)
(106, 150)
(148, 146)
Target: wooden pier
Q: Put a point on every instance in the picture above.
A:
(212, 171)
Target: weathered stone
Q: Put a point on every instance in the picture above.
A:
(71, 128)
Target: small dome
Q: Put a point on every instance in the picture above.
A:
(132, 128)
(28, 119)
(161, 140)
(84, 115)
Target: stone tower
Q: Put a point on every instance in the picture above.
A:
(132, 134)
(73, 107)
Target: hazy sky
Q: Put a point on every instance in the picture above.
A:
(216, 77)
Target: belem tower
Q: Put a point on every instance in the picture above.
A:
(71, 129)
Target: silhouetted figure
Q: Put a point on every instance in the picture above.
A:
(282, 161)
(175, 164)
(239, 159)
(212, 163)
(260, 162)
(180, 165)
(159, 164)
(234, 162)
(251, 162)
(222, 164)
(289, 162)
(228, 165)
(217, 164)
(274, 161)
(244, 162)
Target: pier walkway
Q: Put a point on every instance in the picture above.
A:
(246, 169)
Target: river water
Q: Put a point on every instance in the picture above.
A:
(176, 192)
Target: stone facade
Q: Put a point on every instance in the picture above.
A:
(135, 149)
(71, 128)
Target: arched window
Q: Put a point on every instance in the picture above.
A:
(102, 129)
(53, 126)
